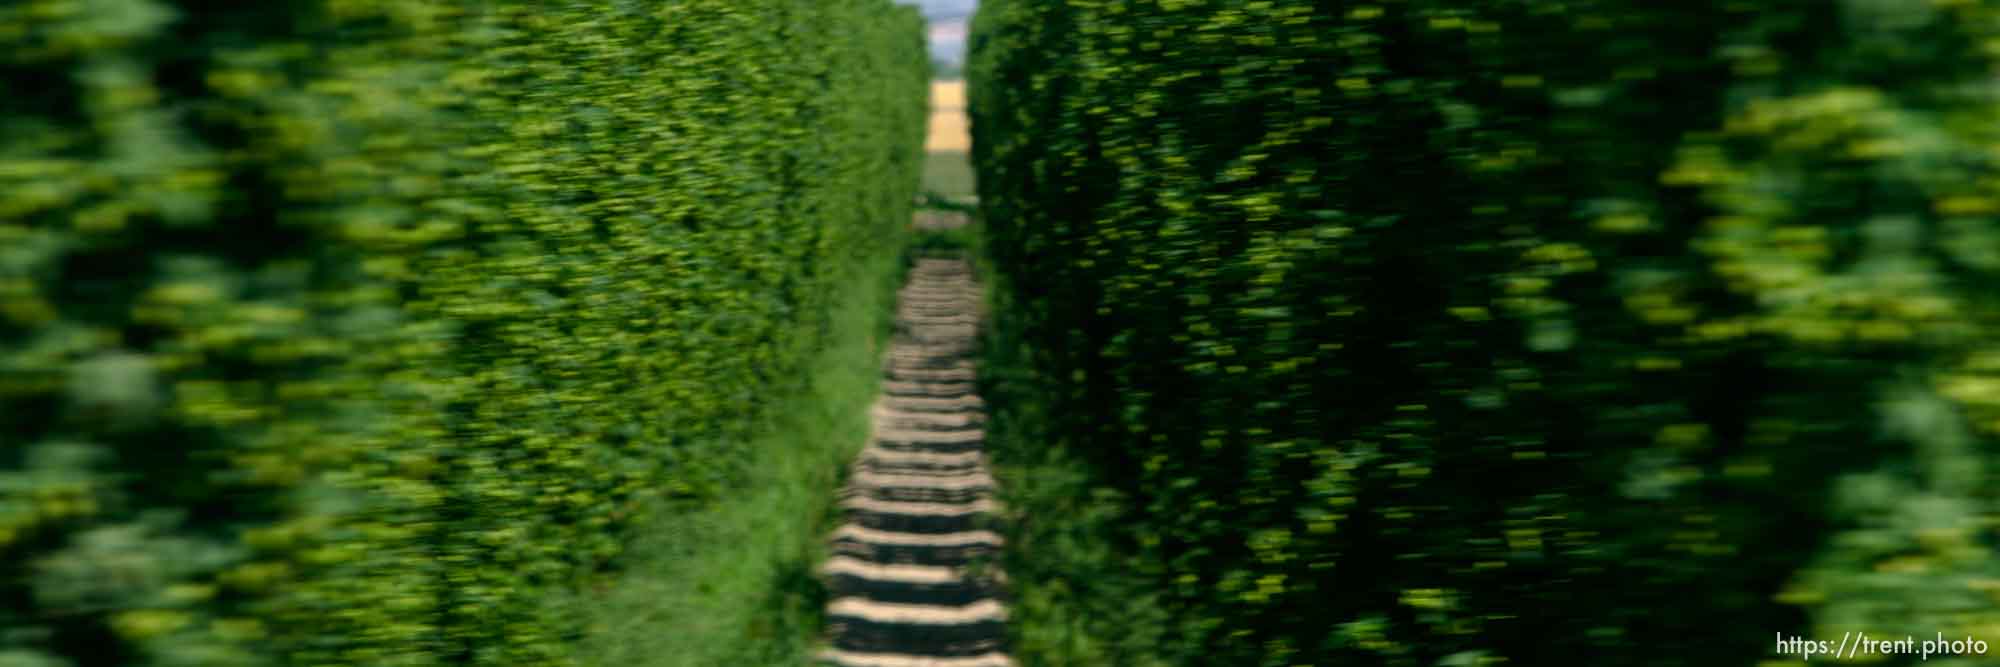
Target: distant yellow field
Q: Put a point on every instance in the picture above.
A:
(948, 94)
(949, 130)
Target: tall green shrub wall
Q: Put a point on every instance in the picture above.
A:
(1429, 332)
(348, 332)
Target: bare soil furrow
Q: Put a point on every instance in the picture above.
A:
(911, 554)
(926, 404)
(861, 659)
(949, 641)
(913, 389)
(917, 459)
(893, 418)
(932, 374)
(916, 467)
(906, 494)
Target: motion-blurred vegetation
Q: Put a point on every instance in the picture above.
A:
(948, 175)
(1460, 332)
(351, 332)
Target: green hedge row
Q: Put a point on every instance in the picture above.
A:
(1441, 332)
(349, 332)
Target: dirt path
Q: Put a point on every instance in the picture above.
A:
(908, 581)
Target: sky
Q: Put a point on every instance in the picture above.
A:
(948, 19)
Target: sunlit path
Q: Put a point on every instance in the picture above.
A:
(905, 584)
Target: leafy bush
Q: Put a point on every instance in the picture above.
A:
(342, 332)
(1449, 332)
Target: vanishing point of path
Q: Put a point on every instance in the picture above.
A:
(907, 575)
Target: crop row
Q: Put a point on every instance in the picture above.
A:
(1441, 332)
(352, 332)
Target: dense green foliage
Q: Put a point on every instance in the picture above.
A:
(1453, 332)
(346, 332)
(738, 581)
(948, 176)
